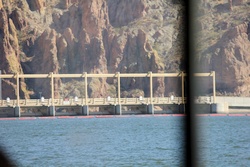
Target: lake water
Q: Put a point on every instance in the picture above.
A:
(128, 141)
(223, 141)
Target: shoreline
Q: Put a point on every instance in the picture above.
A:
(91, 117)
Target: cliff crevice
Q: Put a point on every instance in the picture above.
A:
(97, 36)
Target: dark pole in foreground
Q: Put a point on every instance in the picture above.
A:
(0, 86)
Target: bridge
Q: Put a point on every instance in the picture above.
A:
(112, 104)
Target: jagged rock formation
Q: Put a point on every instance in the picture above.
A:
(36, 5)
(224, 46)
(232, 53)
(10, 54)
(97, 36)
(1, 4)
(128, 12)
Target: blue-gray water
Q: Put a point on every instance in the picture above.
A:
(132, 141)
(224, 141)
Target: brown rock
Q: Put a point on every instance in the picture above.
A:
(1, 4)
(46, 60)
(94, 16)
(74, 1)
(223, 25)
(36, 5)
(68, 35)
(146, 59)
(128, 12)
(230, 4)
(18, 19)
(9, 59)
(8, 45)
(238, 2)
(81, 39)
(47, 51)
(65, 4)
(233, 53)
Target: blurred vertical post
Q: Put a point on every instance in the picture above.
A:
(119, 87)
(52, 95)
(0, 85)
(17, 89)
(86, 87)
(182, 91)
(191, 132)
(214, 87)
(151, 87)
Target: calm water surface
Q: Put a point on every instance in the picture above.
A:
(133, 141)
(224, 141)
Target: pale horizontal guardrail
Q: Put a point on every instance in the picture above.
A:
(90, 102)
(232, 101)
(203, 99)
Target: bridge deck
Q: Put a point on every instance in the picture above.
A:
(90, 102)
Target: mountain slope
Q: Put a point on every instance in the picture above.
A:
(97, 36)
(223, 44)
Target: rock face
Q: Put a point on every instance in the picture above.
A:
(1, 4)
(10, 54)
(238, 2)
(19, 20)
(128, 12)
(226, 49)
(232, 52)
(97, 36)
(36, 4)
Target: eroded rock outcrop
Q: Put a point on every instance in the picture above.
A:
(98, 36)
(19, 20)
(36, 5)
(232, 52)
(238, 2)
(9, 59)
(128, 12)
(1, 4)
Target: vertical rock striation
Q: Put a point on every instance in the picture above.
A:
(10, 55)
(232, 52)
(97, 36)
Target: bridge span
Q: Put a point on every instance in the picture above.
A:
(106, 105)
(114, 105)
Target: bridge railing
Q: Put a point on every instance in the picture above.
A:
(203, 100)
(91, 101)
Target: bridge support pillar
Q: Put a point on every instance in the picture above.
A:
(118, 110)
(85, 110)
(219, 108)
(150, 109)
(17, 111)
(51, 111)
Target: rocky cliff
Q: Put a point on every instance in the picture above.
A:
(95, 36)
(223, 45)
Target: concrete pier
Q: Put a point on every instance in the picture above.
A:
(51, 111)
(212, 108)
(118, 110)
(17, 110)
(85, 110)
(219, 108)
(150, 109)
